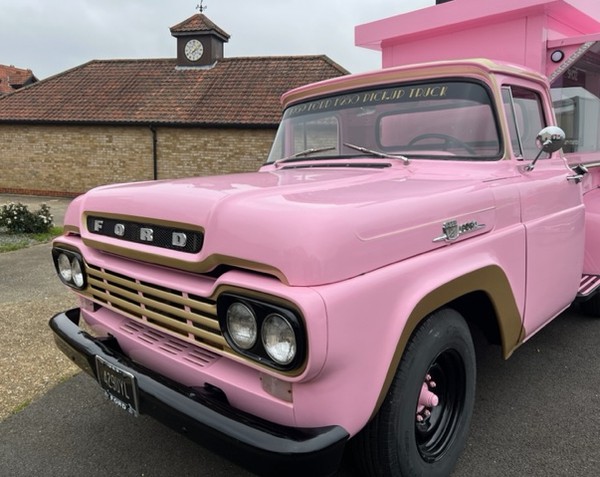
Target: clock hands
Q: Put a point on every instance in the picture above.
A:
(194, 50)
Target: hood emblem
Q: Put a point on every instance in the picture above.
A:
(157, 235)
(451, 230)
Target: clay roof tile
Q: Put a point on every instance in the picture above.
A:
(236, 91)
(198, 23)
(12, 78)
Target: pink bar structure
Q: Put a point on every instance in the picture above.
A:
(525, 32)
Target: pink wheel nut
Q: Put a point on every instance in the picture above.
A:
(427, 399)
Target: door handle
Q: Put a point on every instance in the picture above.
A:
(577, 178)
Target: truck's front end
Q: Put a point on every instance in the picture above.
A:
(176, 322)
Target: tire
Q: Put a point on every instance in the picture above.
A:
(402, 440)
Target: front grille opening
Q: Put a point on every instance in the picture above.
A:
(166, 314)
(161, 288)
(164, 301)
(123, 298)
(120, 286)
(121, 276)
(191, 318)
(97, 288)
(216, 332)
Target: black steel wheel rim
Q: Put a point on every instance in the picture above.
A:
(435, 433)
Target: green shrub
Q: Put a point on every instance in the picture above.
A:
(18, 219)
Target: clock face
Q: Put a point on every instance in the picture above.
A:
(193, 50)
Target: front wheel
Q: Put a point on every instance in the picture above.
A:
(423, 424)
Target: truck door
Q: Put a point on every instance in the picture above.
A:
(552, 213)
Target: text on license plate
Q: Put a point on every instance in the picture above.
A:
(119, 386)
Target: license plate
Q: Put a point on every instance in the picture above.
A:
(120, 387)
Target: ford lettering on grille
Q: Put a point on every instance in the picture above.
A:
(184, 240)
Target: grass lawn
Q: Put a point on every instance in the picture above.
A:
(12, 242)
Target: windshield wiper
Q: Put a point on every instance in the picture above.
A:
(306, 152)
(383, 155)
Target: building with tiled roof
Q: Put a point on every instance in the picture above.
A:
(126, 120)
(12, 79)
(235, 91)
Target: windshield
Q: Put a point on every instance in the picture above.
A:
(437, 120)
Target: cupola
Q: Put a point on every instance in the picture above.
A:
(199, 42)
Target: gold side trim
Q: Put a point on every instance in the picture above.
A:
(493, 282)
(73, 229)
(205, 266)
(65, 246)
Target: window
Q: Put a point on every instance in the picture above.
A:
(445, 119)
(321, 132)
(525, 119)
(576, 95)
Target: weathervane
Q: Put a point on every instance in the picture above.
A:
(200, 7)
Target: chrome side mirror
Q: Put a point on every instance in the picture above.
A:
(550, 139)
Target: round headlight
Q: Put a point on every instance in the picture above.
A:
(279, 339)
(77, 273)
(64, 267)
(241, 325)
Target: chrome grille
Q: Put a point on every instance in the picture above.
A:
(189, 317)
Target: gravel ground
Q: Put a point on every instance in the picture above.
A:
(30, 293)
(13, 239)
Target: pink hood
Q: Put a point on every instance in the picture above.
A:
(313, 226)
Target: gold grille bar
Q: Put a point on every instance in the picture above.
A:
(188, 317)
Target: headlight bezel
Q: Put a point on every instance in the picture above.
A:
(262, 309)
(77, 268)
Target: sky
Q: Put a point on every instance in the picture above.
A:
(50, 37)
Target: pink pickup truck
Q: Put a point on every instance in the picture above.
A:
(329, 299)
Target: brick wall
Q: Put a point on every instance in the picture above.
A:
(201, 152)
(68, 160)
